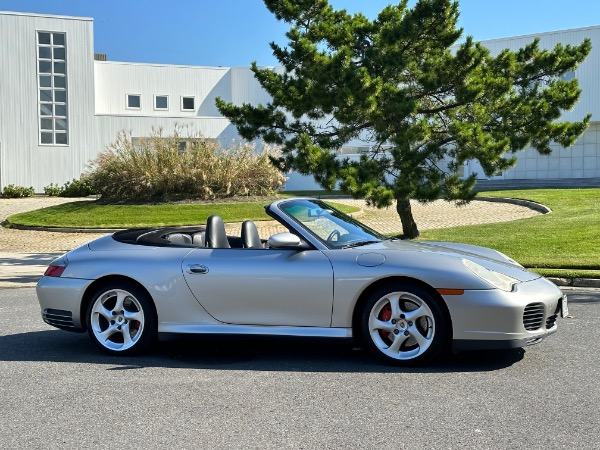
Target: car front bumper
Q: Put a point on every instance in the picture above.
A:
(493, 319)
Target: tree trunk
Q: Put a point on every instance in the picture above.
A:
(409, 226)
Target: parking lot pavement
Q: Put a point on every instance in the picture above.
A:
(214, 392)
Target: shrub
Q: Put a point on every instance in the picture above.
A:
(176, 167)
(81, 187)
(12, 191)
(52, 190)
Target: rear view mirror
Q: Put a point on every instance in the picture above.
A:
(315, 212)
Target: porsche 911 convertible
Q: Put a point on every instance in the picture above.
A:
(328, 275)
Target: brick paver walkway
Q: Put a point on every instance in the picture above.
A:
(438, 214)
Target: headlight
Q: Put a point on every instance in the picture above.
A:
(496, 279)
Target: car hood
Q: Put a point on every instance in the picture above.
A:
(486, 257)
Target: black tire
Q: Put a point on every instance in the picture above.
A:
(121, 319)
(414, 332)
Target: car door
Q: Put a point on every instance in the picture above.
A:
(262, 286)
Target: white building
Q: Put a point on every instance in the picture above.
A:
(59, 106)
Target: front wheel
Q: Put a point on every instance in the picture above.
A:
(404, 325)
(121, 319)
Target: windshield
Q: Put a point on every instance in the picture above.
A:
(334, 228)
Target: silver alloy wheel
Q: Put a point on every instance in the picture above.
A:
(117, 320)
(401, 325)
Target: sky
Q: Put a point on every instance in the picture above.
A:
(234, 33)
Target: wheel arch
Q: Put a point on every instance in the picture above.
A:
(368, 291)
(106, 280)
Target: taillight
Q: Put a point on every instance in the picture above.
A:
(54, 271)
(57, 267)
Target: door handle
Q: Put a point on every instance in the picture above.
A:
(197, 268)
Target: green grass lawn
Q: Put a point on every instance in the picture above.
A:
(563, 243)
(85, 214)
(566, 239)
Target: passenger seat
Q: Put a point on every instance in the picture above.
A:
(250, 237)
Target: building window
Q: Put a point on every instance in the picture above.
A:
(188, 103)
(134, 101)
(52, 88)
(161, 102)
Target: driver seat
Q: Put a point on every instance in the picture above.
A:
(215, 233)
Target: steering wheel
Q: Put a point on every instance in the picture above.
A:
(334, 234)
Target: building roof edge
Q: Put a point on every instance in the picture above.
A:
(542, 33)
(49, 16)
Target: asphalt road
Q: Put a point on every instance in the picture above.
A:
(57, 391)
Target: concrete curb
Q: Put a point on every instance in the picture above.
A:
(16, 226)
(514, 201)
(576, 282)
(517, 201)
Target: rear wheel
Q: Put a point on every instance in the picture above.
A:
(121, 319)
(404, 325)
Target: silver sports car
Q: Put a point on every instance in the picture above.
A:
(328, 276)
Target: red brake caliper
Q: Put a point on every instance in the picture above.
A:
(384, 315)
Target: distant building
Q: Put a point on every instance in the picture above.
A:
(61, 104)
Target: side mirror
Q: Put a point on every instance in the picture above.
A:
(286, 240)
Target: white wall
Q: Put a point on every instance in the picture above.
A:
(579, 161)
(24, 161)
(588, 73)
(97, 100)
(97, 104)
(582, 159)
(114, 80)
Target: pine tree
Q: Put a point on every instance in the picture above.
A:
(423, 101)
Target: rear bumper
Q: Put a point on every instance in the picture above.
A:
(60, 301)
(490, 319)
